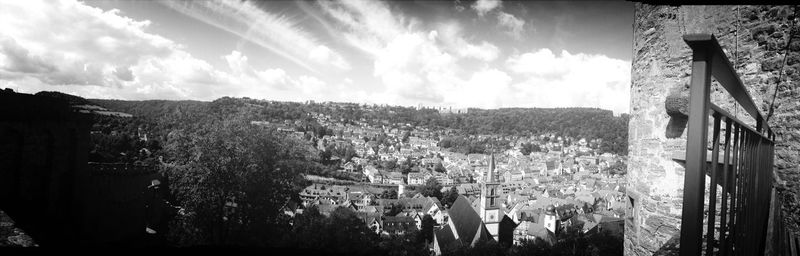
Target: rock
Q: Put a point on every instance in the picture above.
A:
(677, 105)
(792, 59)
(771, 64)
(795, 46)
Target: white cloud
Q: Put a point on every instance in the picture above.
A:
(487, 88)
(452, 37)
(69, 43)
(407, 61)
(276, 33)
(513, 24)
(70, 47)
(578, 80)
(484, 6)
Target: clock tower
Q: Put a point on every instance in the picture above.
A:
(490, 211)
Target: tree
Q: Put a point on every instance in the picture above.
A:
(450, 196)
(389, 194)
(431, 188)
(426, 231)
(394, 209)
(233, 178)
(438, 167)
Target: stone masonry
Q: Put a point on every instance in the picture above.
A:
(757, 40)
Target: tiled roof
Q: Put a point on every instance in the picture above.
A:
(466, 221)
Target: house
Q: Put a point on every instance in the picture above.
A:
(373, 174)
(416, 178)
(513, 175)
(394, 178)
(350, 167)
(443, 179)
(546, 228)
(373, 221)
(398, 224)
(469, 189)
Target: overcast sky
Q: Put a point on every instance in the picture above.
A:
(486, 54)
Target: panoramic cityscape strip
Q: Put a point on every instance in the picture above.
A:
(353, 127)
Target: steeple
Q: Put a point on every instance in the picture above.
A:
(489, 210)
(491, 168)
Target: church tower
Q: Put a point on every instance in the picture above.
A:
(490, 210)
(551, 221)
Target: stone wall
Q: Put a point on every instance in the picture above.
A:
(756, 39)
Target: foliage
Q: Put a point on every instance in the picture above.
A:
(528, 148)
(431, 188)
(618, 167)
(389, 194)
(426, 232)
(233, 178)
(449, 197)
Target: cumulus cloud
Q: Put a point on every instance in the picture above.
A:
(513, 25)
(414, 65)
(484, 6)
(70, 47)
(579, 80)
(69, 43)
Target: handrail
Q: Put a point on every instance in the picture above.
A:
(725, 73)
(745, 183)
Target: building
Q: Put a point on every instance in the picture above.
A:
(464, 227)
(490, 206)
(467, 227)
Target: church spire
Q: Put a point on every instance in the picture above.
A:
(491, 168)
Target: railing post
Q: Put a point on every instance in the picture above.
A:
(694, 179)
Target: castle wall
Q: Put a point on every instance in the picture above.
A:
(755, 39)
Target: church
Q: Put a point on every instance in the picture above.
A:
(466, 226)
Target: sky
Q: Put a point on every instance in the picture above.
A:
(484, 54)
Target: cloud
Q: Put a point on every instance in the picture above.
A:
(578, 80)
(70, 47)
(276, 33)
(414, 65)
(452, 37)
(513, 24)
(484, 6)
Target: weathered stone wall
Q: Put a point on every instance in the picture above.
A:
(756, 39)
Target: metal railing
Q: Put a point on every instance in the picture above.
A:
(744, 171)
(781, 241)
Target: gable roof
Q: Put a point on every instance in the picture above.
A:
(466, 221)
(538, 230)
(444, 236)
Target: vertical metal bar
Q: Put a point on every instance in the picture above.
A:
(758, 211)
(739, 192)
(748, 196)
(750, 235)
(741, 214)
(712, 195)
(723, 223)
(694, 179)
(735, 185)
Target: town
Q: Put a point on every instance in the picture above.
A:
(566, 182)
